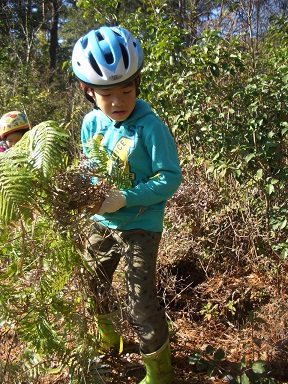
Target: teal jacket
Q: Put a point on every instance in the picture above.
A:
(144, 147)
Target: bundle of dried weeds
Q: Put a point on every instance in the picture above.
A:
(73, 194)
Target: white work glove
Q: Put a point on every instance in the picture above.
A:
(114, 200)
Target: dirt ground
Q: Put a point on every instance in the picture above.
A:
(265, 340)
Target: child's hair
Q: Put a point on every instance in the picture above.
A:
(107, 57)
(13, 121)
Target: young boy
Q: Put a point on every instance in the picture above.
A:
(129, 223)
(13, 125)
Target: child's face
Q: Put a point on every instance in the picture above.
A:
(13, 138)
(117, 102)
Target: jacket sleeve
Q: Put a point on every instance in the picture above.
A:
(86, 134)
(166, 173)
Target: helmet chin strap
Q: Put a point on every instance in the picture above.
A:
(118, 124)
(88, 97)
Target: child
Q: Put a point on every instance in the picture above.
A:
(129, 223)
(13, 125)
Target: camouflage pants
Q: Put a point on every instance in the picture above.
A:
(139, 249)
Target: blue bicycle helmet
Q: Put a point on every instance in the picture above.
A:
(107, 57)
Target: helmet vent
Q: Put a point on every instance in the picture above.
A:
(84, 43)
(116, 32)
(94, 65)
(100, 37)
(125, 56)
(109, 58)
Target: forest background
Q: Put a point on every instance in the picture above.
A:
(216, 73)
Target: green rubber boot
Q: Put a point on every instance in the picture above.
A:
(107, 336)
(158, 366)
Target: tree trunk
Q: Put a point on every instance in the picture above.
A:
(55, 6)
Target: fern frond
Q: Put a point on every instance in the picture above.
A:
(98, 156)
(113, 173)
(29, 166)
(47, 147)
(16, 182)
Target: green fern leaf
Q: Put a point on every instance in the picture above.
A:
(113, 173)
(16, 182)
(27, 168)
(47, 146)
